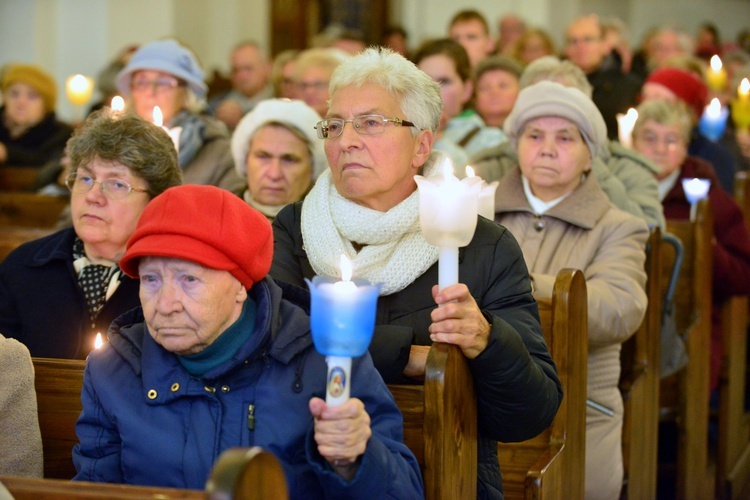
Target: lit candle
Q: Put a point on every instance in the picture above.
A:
(741, 106)
(713, 120)
(342, 319)
(79, 89)
(716, 75)
(448, 216)
(486, 207)
(174, 132)
(118, 104)
(98, 342)
(625, 124)
(695, 190)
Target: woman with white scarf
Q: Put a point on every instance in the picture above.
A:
(378, 134)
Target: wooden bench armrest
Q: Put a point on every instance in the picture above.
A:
(247, 473)
(24, 488)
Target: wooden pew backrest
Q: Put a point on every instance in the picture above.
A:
(18, 178)
(552, 465)
(30, 209)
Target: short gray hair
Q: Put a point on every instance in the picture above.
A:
(666, 113)
(550, 68)
(417, 94)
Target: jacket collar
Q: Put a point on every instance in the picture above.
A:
(583, 208)
(58, 246)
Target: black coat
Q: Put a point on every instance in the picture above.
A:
(42, 305)
(43, 142)
(518, 390)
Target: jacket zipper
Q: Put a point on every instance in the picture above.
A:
(251, 417)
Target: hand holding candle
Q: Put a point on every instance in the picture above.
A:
(342, 319)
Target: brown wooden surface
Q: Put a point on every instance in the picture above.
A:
(247, 473)
(23, 488)
(440, 424)
(639, 385)
(552, 465)
(733, 454)
(58, 391)
(30, 209)
(684, 396)
(18, 178)
(13, 237)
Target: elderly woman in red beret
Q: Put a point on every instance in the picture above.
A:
(218, 356)
(30, 135)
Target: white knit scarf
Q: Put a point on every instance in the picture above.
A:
(395, 252)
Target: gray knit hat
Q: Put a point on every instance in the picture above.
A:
(552, 99)
(167, 56)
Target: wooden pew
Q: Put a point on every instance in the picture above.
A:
(684, 396)
(639, 385)
(240, 474)
(733, 454)
(12, 237)
(30, 209)
(552, 465)
(18, 178)
(58, 392)
(440, 424)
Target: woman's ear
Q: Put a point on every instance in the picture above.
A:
(422, 147)
(241, 294)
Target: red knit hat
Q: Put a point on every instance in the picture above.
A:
(206, 225)
(687, 86)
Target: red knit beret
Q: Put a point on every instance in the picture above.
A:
(206, 225)
(687, 86)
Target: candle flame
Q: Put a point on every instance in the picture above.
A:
(79, 88)
(118, 103)
(744, 88)
(98, 341)
(714, 109)
(469, 171)
(716, 63)
(158, 116)
(346, 268)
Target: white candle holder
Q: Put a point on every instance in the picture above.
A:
(486, 195)
(695, 190)
(448, 216)
(625, 124)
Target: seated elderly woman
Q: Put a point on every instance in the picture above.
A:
(218, 356)
(275, 148)
(562, 218)
(378, 134)
(30, 135)
(57, 292)
(663, 132)
(166, 74)
(19, 422)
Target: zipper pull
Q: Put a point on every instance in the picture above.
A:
(251, 417)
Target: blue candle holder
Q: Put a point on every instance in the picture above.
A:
(342, 315)
(712, 124)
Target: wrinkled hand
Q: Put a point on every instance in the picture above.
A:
(341, 433)
(459, 321)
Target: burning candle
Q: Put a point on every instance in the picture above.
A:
(741, 106)
(342, 319)
(486, 207)
(695, 190)
(448, 216)
(625, 124)
(98, 342)
(174, 132)
(713, 120)
(79, 89)
(118, 104)
(716, 75)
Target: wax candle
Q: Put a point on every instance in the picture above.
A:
(695, 190)
(716, 75)
(625, 124)
(714, 120)
(79, 89)
(448, 216)
(741, 106)
(174, 132)
(118, 104)
(342, 319)
(486, 207)
(98, 342)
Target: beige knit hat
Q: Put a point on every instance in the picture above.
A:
(37, 78)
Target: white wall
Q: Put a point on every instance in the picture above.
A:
(81, 36)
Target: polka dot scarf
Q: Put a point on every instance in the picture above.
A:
(93, 279)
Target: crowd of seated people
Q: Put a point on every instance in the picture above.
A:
(187, 246)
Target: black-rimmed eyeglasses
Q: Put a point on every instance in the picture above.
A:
(365, 125)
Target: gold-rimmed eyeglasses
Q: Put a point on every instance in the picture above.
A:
(113, 188)
(364, 125)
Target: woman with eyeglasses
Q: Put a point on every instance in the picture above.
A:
(163, 73)
(663, 133)
(58, 292)
(377, 135)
